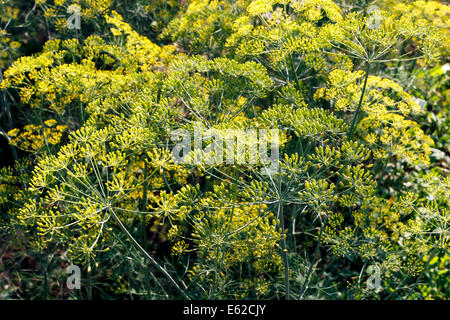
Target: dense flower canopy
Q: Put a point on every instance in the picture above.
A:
(355, 93)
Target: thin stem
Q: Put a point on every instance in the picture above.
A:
(236, 181)
(43, 265)
(143, 223)
(291, 61)
(284, 253)
(144, 208)
(89, 280)
(432, 253)
(9, 121)
(149, 257)
(316, 253)
(352, 128)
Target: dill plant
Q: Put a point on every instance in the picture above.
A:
(103, 176)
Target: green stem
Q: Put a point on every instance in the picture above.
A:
(9, 121)
(149, 257)
(89, 280)
(284, 253)
(291, 61)
(352, 128)
(144, 208)
(432, 253)
(143, 223)
(43, 263)
(236, 181)
(316, 254)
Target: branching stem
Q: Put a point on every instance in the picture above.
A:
(285, 251)
(352, 128)
(149, 257)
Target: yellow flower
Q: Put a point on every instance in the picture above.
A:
(13, 132)
(179, 248)
(50, 123)
(14, 44)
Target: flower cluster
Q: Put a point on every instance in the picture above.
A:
(97, 114)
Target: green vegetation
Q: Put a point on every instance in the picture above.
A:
(356, 93)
